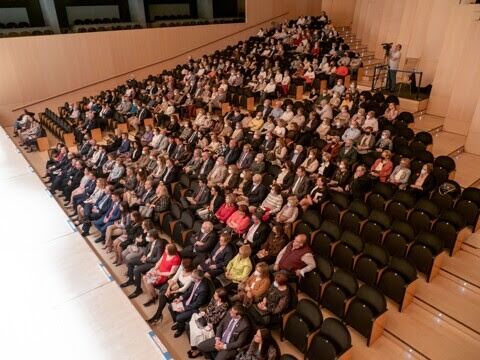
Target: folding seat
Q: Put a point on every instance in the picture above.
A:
(472, 194)
(366, 313)
(376, 201)
(353, 217)
(424, 212)
(331, 342)
(400, 204)
(427, 254)
(417, 147)
(347, 250)
(312, 282)
(405, 132)
(398, 239)
(331, 211)
(399, 281)
(165, 221)
(424, 156)
(447, 163)
(425, 137)
(371, 262)
(399, 142)
(440, 175)
(323, 239)
(443, 201)
(374, 228)
(299, 325)
(469, 210)
(385, 189)
(406, 117)
(180, 227)
(336, 294)
(451, 235)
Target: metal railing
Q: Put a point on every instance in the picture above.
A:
(380, 75)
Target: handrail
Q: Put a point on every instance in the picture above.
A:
(381, 67)
(152, 64)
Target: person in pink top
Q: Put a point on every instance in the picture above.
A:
(239, 220)
(158, 275)
(226, 209)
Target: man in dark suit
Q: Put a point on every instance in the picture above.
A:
(73, 180)
(205, 168)
(171, 146)
(301, 183)
(257, 233)
(360, 183)
(170, 174)
(268, 144)
(183, 307)
(109, 217)
(124, 145)
(198, 198)
(299, 154)
(233, 152)
(143, 113)
(200, 244)
(265, 109)
(348, 152)
(232, 333)
(257, 193)
(139, 266)
(93, 212)
(246, 157)
(88, 190)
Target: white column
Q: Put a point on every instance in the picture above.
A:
(50, 14)
(205, 9)
(137, 11)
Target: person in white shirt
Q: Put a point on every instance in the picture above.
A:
(393, 64)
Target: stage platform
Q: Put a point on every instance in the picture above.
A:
(58, 299)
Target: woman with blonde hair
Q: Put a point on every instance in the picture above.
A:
(254, 287)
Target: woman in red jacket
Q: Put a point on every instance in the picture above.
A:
(226, 209)
(383, 167)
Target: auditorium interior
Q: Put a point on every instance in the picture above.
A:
(240, 179)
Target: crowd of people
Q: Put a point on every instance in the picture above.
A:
(250, 176)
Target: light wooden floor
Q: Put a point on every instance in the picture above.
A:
(420, 332)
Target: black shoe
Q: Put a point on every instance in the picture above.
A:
(150, 302)
(191, 355)
(85, 233)
(126, 283)
(101, 239)
(135, 294)
(155, 319)
(178, 333)
(174, 327)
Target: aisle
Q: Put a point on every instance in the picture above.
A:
(57, 299)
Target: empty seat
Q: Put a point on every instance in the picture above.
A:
(370, 263)
(398, 281)
(353, 217)
(398, 238)
(324, 238)
(333, 341)
(427, 254)
(373, 230)
(312, 282)
(345, 252)
(366, 313)
(469, 211)
(341, 288)
(299, 325)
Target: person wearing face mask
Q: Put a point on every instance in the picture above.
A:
(298, 156)
(274, 303)
(353, 133)
(140, 265)
(219, 172)
(401, 174)
(382, 167)
(232, 152)
(366, 142)
(371, 121)
(289, 212)
(347, 153)
(201, 244)
(237, 269)
(422, 182)
(384, 143)
(359, 117)
(254, 288)
(340, 176)
(311, 163)
(256, 123)
(117, 172)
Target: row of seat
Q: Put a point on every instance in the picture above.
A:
(26, 33)
(96, 21)
(192, 22)
(58, 126)
(14, 25)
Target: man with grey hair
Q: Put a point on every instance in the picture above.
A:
(201, 244)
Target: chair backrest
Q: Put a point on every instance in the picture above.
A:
(312, 218)
(381, 218)
(377, 253)
(472, 194)
(373, 297)
(324, 267)
(404, 197)
(334, 330)
(360, 208)
(310, 312)
(433, 242)
(353, 241)
(346, 280)
(403, 267)
(445, 162)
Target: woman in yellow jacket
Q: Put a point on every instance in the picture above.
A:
(239, 267)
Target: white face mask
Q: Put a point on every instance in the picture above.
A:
(275, 284)
(423, 171)
(242, 175)
(256, 273)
